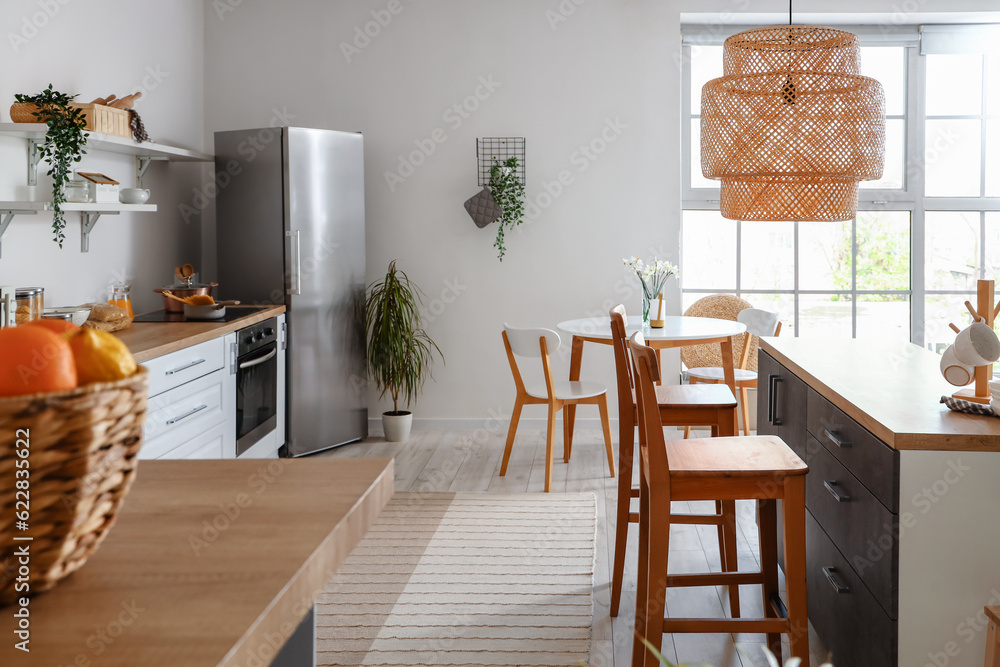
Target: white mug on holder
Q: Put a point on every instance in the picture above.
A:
(977, 344)
(955, 371)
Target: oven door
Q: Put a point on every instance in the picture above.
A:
(256, 396)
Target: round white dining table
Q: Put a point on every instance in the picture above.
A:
(677, 331)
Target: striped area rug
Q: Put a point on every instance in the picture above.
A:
(465, 580)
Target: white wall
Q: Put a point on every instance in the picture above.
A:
(560, 83)
(95, 49)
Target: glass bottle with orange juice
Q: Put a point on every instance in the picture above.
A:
(118, 295)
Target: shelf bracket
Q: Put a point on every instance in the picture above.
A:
(33, 159)
(142, 164)
(87, 222)
(7, 216)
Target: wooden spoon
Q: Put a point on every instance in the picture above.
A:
(175, 297)
(187, 270)
(223, 304)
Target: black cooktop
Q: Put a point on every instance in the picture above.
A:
(232, 313)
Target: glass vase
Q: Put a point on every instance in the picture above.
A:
(647, 302)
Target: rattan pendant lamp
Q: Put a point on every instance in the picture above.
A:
(791, 127)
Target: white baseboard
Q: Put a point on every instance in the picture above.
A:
(457, 424)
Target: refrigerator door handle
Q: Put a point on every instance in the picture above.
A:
(296, 272)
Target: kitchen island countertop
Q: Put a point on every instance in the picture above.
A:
(893, 389)
(147, 340)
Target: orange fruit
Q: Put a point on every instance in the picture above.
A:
(34, 360)
(63, 327)
(101, 357)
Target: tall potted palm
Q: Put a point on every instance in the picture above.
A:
(400, 353)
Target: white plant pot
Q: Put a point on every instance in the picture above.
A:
(397, 427)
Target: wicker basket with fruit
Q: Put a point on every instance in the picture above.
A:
(72, 406)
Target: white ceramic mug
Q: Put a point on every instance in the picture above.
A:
(977, 344)
(955, 371)
(133, 196)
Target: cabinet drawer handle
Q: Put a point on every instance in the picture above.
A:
(838, 585)
(835, 491)
(186, 414)
(185, 367)
(772, 400)
(832, 437)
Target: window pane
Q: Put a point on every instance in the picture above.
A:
(883, 251)
(824, 316)
(895, 157)
(783, 304)
(992, 243)
(887, 65)
(993, 158)
(952, 250)
(954, 85)
(939, 310)
(697, 180)
(825, 255)
(952, 155)
(884, 317)
(768, 260)
(993, 85)
(706, 64)
(708, 252)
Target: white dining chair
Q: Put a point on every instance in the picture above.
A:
(758, 323)
(538, 343)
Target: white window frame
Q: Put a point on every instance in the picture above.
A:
(910, 197)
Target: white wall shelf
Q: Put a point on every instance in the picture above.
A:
(90, 212)
(144, 153)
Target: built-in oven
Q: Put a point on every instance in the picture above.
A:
(256, 383)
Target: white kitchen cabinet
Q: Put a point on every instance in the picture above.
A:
(192, 403)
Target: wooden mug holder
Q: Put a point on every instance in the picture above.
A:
(986, 309)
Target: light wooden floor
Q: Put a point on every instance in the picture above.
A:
(470, 461)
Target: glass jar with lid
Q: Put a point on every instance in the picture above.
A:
(30, 304)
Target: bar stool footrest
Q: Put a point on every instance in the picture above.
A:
(711, 625)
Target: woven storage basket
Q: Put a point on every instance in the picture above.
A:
(100, 118)
(721, 307)
(83, 446)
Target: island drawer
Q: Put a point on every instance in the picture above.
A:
(174, 369)
(865, 456)
(859, 525)
(852, 625)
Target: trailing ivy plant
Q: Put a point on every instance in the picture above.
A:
(508, 192)
(62, 147)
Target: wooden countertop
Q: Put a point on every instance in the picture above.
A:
(892, 389)
(152, 339)
(167, 589)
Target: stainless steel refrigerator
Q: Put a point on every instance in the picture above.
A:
(290, 217)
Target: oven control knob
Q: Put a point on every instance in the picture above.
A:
(251, 339)
(268, 332)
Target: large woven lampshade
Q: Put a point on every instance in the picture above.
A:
(791, 127)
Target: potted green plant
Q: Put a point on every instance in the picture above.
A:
(508, 192)
(62, 147)
(400, 353)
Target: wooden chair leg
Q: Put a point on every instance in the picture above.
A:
(656, 582)
(515, 417)
(794, 526)
(731, 559)
(567, 433)
(626, 459)
(642, 575)
(767, 533)
(687, 432)
(602, 404)
(550, 437)
(744, 407)
(722, 539)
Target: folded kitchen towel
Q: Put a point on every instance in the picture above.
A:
(483, 208)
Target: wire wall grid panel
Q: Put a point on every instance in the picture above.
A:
(501, 149)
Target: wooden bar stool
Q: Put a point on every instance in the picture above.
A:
(679, 405)
(993, 637)
(759, 467)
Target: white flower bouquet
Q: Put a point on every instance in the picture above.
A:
(652, 276)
